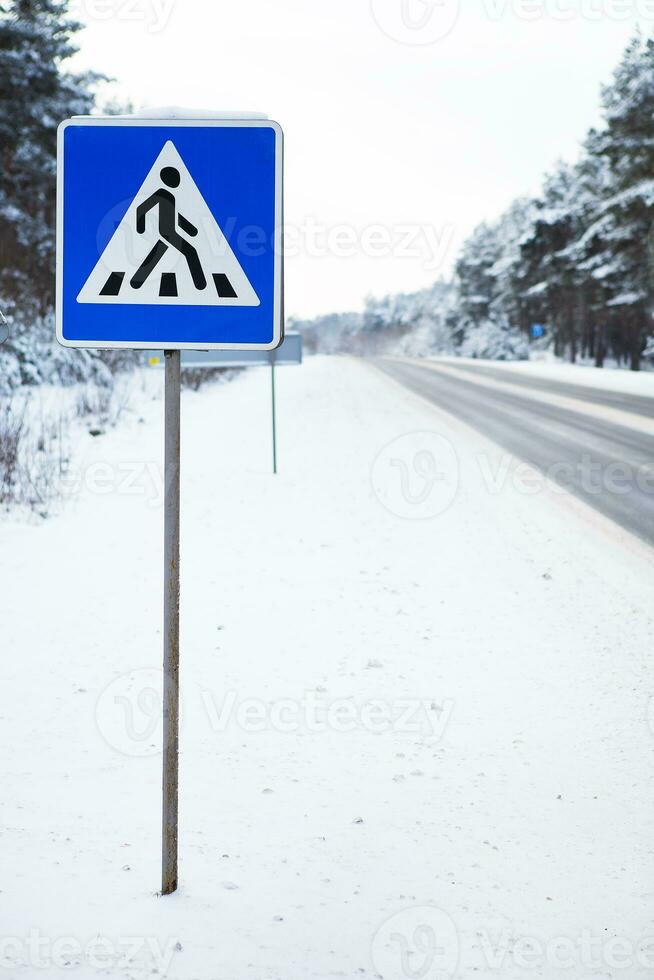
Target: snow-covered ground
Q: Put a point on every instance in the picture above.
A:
(611, 379)
(415, 735)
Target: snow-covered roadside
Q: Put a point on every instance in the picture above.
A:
(492, 643)
(43, 427)
(631, 382)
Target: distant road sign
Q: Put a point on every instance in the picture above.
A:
(290, 352)
(537, 330)
(169, 233)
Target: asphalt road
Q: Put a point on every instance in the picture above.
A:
(609, 466)
(637, 404)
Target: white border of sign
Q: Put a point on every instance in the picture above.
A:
(278, 303)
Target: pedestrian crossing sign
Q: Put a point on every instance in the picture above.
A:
(169, 233)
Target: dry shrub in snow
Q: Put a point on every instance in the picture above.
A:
(34, 455)
(194, 378)
(102, 405)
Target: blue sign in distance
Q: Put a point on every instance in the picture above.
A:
(537, 330)
(169, 233)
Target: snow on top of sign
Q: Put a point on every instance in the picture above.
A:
(179, 112)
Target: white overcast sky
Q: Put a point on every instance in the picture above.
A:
(407, 123)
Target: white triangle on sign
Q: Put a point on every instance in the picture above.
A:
(168, 250)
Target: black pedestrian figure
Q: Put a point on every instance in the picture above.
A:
(168, 221)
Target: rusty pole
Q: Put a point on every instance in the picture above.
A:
(171, 623)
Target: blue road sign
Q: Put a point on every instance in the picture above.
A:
(537, 330)
(169, 233)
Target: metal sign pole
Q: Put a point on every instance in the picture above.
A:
(274, 419)
(171, 622)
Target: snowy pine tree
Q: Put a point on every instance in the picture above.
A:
(35, 95)
(553, 293)
(490, 273)
(627, 145)
(495, 339)
(474, 270)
